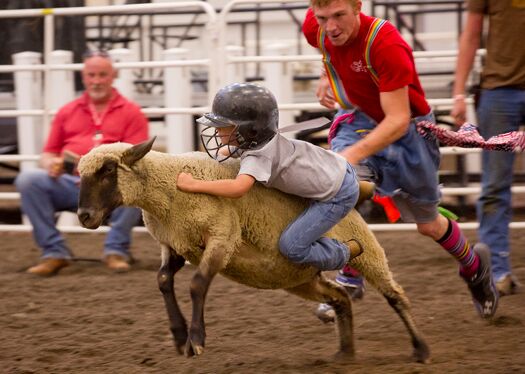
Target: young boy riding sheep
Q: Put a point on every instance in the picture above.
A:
(244, 123)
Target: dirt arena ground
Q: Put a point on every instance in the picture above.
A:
(88, 320)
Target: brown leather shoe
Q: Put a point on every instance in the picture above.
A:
(48, 267)
(508, 285)
(366, 191)
(355, 248)
(116, 263)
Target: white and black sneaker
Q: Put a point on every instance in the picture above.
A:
(482, 286)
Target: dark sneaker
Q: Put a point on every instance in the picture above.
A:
(507, 285)
(354, 286)
(481, 285)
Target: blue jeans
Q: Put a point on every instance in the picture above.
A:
(43, 196)
(302, 242)
(406, 169)
(500, 110)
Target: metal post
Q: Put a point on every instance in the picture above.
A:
(124, 82)
(28, 91)
(49, 46)
(234, 72)
(177, 94)
(62, 86)
(278, 79)
(215, 41)
(62, 90)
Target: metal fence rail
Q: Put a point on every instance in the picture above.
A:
(217, 65)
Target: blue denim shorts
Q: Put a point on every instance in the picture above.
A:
(407, 169)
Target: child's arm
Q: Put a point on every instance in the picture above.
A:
(233, 188)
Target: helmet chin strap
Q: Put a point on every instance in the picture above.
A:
(239, 138)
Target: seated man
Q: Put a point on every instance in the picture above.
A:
(100, 115)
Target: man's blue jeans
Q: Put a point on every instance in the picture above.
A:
(43, 196)
(500, 110)
(303, 242)
(406, 169)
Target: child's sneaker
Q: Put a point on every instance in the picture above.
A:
(481, 285)
(325, 313)
(355, 286)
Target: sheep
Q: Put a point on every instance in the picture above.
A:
(235, 237)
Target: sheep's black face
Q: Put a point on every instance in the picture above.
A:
(99, 195)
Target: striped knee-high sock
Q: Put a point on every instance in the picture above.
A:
(455, 243)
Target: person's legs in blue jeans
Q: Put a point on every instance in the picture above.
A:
(118, 240)
(500, 111)
(41, 197)
(303, 242)
(347, 135)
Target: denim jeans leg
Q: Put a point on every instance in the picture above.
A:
(303, 242)
(499, 111)
(118, 240)
(349, 134)
(41, 197)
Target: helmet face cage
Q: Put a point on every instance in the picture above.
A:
(213, 144)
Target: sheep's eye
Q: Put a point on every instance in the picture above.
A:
(108, 169)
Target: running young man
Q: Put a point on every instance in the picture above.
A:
(369, 71)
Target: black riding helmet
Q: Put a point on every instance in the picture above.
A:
(252, 109)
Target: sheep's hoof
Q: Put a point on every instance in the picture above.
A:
(198, 349)
(422, 353)
(343, 357)
(188, 351)
(180, 348)
(193, 349)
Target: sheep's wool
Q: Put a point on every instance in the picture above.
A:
(245, 230)
(98, 155)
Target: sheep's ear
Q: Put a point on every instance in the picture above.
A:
(136, 152)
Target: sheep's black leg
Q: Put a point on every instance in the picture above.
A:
(172, 263)
(214, 259)
(200, 284)
(324, 291)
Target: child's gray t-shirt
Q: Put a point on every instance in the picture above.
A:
(296, 167)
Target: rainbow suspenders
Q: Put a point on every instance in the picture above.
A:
(336, 83)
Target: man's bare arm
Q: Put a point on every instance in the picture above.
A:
(468, 45)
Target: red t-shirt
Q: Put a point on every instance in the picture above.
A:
(391, 58)
(74, 127)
